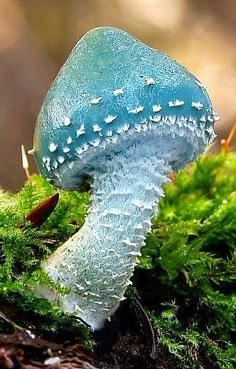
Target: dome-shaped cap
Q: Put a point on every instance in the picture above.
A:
(113, 87)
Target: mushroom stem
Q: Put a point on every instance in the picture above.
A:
(96, 263)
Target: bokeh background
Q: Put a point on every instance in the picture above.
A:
(36, 37)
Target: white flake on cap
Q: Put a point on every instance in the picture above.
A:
(118, 92)
(110, 118)
(175, 103)
(149, 81)
(96, 128)
(156, 108)
(52, 147)
(67, 121)
(197, 104)
(80, 131)
(136, 110)
(60, 159)
(96, 100)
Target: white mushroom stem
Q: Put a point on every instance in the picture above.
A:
(96, 263)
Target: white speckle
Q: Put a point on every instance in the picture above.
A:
(210, 119)
(109, 133)
(216, 116)
(136, 110)
(191, 119)
(134, 253)
(69, 140)
(155, 118)
(197, 104)
(172, 119)
(60, 159)
(66, 149)
(96, 128)
(203, 118)
(48, 165)
(45, 159)
(156, 108)
(80, 131)
(123, 129)
(118, 92)
(67, 121)
(95, 143)
(175, 103)
(96, 100)
(82, 149)
(110, 118)
(52, 147)
(85, 147)
(127, 241)
(149, 81)
(79, 151)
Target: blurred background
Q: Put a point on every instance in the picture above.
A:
(36, 37)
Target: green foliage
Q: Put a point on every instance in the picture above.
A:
(22, 248)
(192, 250)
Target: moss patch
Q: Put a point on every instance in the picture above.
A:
(185, 279)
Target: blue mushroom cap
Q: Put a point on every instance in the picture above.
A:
(111, 89)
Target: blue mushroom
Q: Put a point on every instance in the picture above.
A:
(120, 116)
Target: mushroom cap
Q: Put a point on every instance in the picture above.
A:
(113, 88)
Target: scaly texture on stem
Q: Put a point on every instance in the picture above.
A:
(97, 262)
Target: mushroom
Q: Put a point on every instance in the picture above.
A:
(120, 116)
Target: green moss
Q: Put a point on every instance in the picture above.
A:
(191, 252)
(22, 248)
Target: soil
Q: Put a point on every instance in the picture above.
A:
(127, 342)
(21, 350)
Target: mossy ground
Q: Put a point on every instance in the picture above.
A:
(186, 278)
